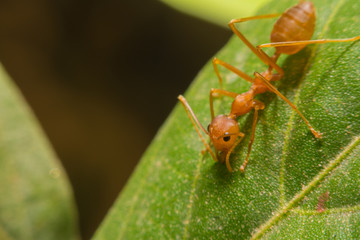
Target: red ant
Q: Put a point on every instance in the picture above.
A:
(291, 33)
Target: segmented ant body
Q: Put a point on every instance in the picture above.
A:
(291, 33)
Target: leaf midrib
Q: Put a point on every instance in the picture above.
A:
(302, 194)
(136, 195)
(191, 198)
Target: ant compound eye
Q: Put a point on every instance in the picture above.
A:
(208, 128)
(226, 139)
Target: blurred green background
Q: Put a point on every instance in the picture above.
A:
(102, 76)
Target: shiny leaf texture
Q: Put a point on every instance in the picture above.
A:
(36, 200)
(295, 186)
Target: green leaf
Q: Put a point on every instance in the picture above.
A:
(218, 12)
(36, 200)
(178, 193)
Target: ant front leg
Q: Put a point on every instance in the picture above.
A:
(227, 158)
(215, 91)
(241, 74)
(257, 106)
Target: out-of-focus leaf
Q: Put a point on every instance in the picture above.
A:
(36, 200)
(218, 12)
(178, 193)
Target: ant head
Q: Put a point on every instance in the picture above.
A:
(223, 132)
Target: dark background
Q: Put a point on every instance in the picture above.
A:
(102, 76)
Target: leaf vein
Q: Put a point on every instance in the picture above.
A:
(135, 198)
(191, 198)
(291, 122)
(303, 212)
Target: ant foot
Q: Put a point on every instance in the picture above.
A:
(203, 151)
(316, 134)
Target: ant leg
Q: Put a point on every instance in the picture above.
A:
(273, 89)
(241, 136)
(241, 74)
(273, 64)
(242, 37)
(214, 91)
(195, 121)
(307, 42)
(271, 61)
(258, 106)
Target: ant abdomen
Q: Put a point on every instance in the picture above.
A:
(295, 24)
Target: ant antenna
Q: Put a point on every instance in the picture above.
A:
(197, 125)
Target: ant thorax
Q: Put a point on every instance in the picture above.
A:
(242, 104)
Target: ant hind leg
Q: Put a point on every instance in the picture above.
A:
(243, 38)
(259, 53)
(306, 42)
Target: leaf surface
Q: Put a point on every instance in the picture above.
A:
(178, 193)
(36, 200)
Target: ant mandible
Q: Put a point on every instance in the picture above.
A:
(291, 33)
